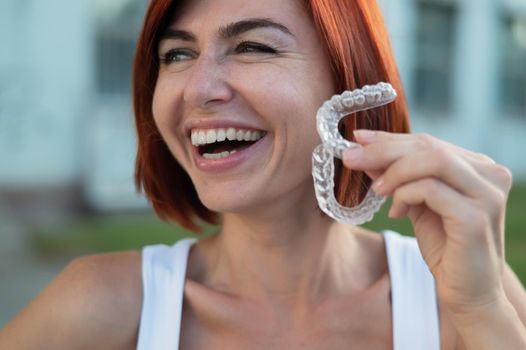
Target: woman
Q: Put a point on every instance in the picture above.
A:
(225, 96)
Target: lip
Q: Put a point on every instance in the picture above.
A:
(233, 160)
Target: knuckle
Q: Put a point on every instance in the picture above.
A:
(484, 158)
(419, 143)
(497, 202)
(504, 175)
(501, 197)
(440, 155)
(400, 193)
(431, 186)
(426, 139)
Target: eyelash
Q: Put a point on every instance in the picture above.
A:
(170, 56)
(253, 45)
(245, 47)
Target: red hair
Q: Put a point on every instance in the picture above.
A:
(359, 52)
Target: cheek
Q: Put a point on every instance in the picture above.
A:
(160, 106)
(165, 116)
(282, 93)
(165, 107)
(289, 99)
(288, 102)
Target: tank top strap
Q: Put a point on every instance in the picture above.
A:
(163, 276)
(414, 303)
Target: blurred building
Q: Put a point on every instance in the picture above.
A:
(66, 130)
(463, 63)
(66, 126)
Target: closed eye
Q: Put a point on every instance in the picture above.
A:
(254, 48)
(177, 55)
(245, 47)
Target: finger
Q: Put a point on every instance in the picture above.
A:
(366, 137)
(378, 156)
(457, 213)
(373, 174)
(448, 212)
(437, 196)
(496, 174)
(449, 168)
(387, 147)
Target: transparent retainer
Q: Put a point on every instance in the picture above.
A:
(333, 145)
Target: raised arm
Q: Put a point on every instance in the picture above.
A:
(456, 201)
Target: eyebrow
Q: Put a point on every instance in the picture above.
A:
(241, 27)
(230, 30)
(178, 34)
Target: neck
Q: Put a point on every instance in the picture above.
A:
(286, 257)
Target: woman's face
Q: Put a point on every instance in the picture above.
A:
(235, 70)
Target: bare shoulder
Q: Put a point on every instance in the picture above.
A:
(96, 301)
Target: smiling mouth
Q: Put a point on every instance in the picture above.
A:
(221, 143)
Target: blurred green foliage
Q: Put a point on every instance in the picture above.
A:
(94, 234)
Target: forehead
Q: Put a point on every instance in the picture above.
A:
(195, 14)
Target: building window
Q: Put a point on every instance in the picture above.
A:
(118, 25)
(513, 65)
(436, 29)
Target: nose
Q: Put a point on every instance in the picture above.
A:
(207, 85)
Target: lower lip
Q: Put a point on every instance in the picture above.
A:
(231, 161)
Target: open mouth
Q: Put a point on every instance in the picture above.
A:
(221, 143)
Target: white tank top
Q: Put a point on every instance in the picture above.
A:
(414, 303)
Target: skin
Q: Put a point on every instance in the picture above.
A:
(456, 201)
(310, 283)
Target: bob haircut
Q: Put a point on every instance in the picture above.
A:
(359, 51)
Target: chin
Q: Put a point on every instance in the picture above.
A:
(224, 208)
(242, 202)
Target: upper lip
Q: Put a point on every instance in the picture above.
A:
(217, 123)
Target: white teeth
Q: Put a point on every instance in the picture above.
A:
(201, 138)
(221, 135)
(208, 136)
(231, 134)
(211, 136)
(248, 136)
(195, 137)
(218, 155)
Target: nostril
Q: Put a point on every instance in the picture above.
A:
(206, 86)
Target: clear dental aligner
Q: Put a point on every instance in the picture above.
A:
(333, 145)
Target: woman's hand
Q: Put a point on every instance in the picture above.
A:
(456, 201)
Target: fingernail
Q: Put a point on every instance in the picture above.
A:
(377, 185)
(364, 134)
(353, 154)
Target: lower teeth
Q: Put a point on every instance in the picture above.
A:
(218, 155)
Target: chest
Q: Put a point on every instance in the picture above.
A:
(362, 323)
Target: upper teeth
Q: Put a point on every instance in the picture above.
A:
(203, 137)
